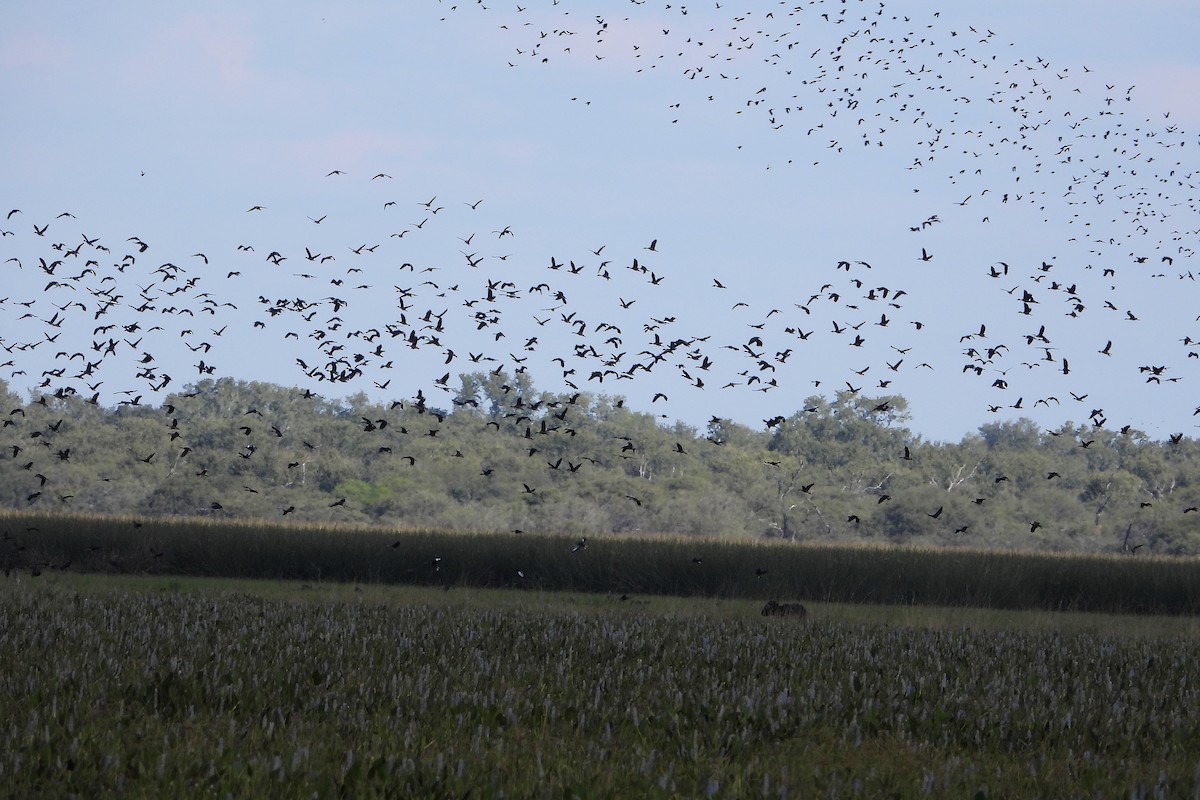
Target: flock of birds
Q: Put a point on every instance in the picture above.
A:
(111, 319)
(1021, 138)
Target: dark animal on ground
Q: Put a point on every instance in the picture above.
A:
(774, 608)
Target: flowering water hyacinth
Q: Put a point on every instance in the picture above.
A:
(174, 689)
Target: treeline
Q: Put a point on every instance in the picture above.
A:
(495, 454)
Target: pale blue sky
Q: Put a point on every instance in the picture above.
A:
(168, 122)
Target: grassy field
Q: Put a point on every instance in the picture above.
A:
(675, 566)
(175, 686)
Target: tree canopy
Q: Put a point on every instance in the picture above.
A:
(497, 454)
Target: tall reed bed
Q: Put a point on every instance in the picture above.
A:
(650, 565)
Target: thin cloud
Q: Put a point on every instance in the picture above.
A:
(201, 52)
(353, 150)
(1168, 88)
(34, 51)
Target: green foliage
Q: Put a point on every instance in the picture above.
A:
(503, 456)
